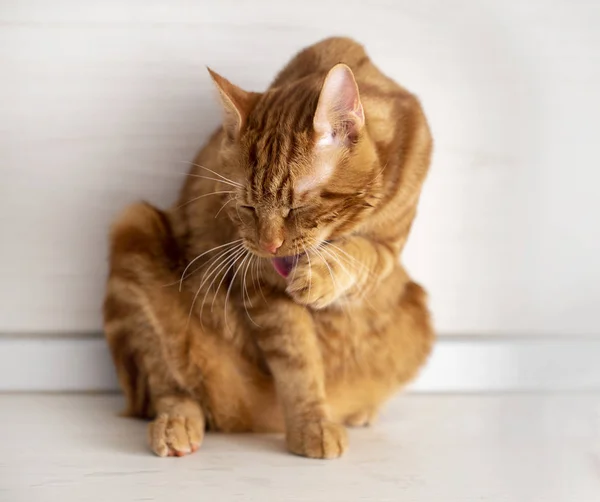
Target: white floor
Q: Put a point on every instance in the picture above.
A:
(510, 448)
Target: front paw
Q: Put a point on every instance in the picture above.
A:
(318, 282)
(317, 439)
(175, 435)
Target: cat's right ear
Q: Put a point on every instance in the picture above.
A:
(339, 115)
(236, 104)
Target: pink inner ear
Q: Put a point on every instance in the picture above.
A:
(339, 103)
(338, 118)
(236, 104)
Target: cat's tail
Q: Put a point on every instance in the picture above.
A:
(141, 248)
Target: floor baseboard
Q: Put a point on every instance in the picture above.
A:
(458, 364)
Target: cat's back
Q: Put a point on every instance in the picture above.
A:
(319, 58)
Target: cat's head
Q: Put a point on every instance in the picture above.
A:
(307, 168)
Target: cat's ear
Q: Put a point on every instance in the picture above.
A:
(236, 104)
(339, 115)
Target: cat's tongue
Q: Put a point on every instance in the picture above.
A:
(284, 265)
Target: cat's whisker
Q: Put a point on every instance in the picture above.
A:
(188, 275)
(185, 276)
(244, 257)
(356, 267)
(352, 259)
(252, 270)
(296, 252)
(217, 263)
(223, 206)
(214, 262)
(380, 172)
(336, 258)
(232, 243)
(244, 288)
(237, 210)
(231, 265)
(215, 173)
(309, 270)
(320, 255)
(241, 266)
(216, 268)
(223, 256)
(259, 269)
(224, 263)
(296, 247)
(344, 252)
(248, 266)
(245, 292)
(202, 196)
(361, 292)
(211, 179)
(333, 280)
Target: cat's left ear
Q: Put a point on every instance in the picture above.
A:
(339, 115)
(236, 102)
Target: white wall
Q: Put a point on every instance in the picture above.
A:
(101, 102)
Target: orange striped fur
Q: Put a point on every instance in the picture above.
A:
(318, 178)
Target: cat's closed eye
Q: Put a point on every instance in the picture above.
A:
(247, 213)
(292, 211)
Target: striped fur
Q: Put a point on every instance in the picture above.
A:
(205, 334)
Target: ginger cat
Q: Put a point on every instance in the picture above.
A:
(270, 297)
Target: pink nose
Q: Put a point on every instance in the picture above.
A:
(272, 246)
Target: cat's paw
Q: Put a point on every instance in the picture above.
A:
(175, 435)
(318, 439)
(318, 282)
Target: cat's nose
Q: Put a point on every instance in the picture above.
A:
(271, 246)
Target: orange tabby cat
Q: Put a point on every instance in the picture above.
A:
(271, 296)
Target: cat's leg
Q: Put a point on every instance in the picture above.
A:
(145, 326)
(289, 344)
